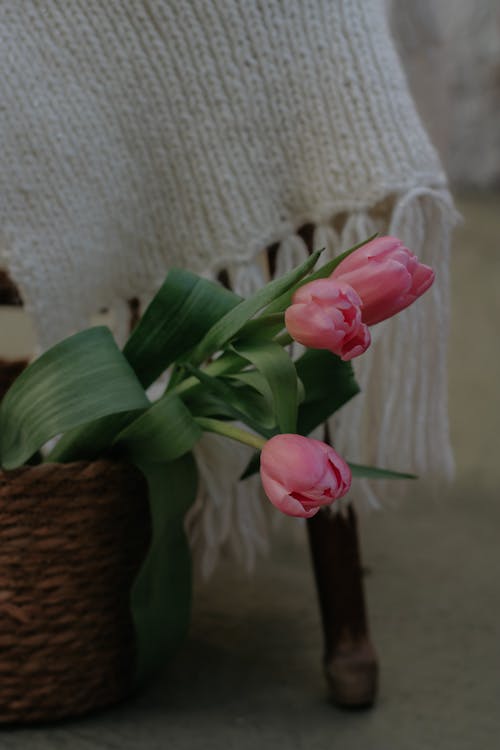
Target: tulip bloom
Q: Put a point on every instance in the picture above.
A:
(299, 474)
(387, 277)
(327, 315)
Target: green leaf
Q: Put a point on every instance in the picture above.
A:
(229, 325)
(158, 442)
(273, 362)
(252, 467)
(373, 472)
(243, 400)
(81, 379)
(203, 403)
(328, 383)
(179, 315)
(161, 594)
(285, 300)
(227, 363)
(255, 380)
(90, 441)
(163, 433)
(228, 402)
(265, 326)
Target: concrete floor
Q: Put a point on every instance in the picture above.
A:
(249, 675)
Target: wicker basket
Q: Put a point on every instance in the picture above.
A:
(72, 538)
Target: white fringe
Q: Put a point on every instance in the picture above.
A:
(399, 420)
(229, 517)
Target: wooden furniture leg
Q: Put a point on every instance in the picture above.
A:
(8, 291)
(349, 661)
(9, 369)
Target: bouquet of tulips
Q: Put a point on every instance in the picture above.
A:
(230, 373)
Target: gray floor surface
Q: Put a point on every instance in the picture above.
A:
(249, 675)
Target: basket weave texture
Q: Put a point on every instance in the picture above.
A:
(72, 538)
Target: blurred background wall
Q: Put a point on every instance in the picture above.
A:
(451, 50)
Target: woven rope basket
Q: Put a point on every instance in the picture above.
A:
(72, 537)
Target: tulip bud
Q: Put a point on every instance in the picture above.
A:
(327, 315)
(386, 276)
(299, 474)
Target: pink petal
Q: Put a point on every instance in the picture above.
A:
(378, 249)
(357, 344)
(423, 278)
(294, 461)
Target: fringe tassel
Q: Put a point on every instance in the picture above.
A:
(400, 419)
(229, 517)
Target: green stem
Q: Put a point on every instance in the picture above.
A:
(229, 430)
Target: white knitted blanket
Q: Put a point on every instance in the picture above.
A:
(142, 134)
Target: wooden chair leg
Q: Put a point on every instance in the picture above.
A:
(9, 370)
(9, 294)
(350, 661)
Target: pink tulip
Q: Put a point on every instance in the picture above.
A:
(327, 315)
(387, 277)
(300, 474)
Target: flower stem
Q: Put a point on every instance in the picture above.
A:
(229, 430)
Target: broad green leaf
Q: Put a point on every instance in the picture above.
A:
(227, 363)
(81, 379)
(203, 403)
(256, 380)
(285, 300)
(273, 362)
(245, 400)
(245, 391)
(373, 472)
(90, 441)
(230, 401)
(265, 326)
(328, 383)
(163, 433)
(229, 325)
(161, 594)
(177, 318)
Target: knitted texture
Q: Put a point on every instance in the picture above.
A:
(142, 135)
